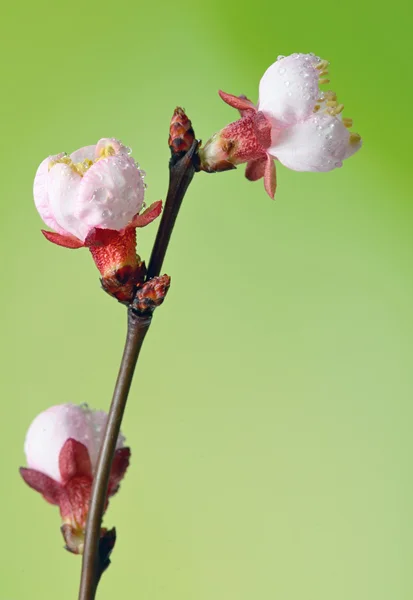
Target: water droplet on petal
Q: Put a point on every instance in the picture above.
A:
(286, 83)
(280, 57)
(281, 71)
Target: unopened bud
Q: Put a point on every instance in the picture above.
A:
(151, 294)
(181, 134)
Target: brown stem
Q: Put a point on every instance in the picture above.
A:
(181, 174)
(91, 570)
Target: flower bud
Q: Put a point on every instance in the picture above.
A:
(181, 134)
(151, 294)
(61, 447)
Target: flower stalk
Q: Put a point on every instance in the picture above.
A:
(150, 295)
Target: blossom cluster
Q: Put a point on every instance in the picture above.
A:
(95, 198)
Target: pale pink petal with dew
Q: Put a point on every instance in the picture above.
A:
(85, 153)
(63, 186)
(319, 144)
(41, 194)
(52, 428)
(109, 144)
(97, 422)
(49, 432)
(111, 193)
(289, 89)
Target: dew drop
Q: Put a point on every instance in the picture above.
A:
(281, 71)
(280, 57)
(286, 83)
(106, 213)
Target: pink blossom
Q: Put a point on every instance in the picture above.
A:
(294, 122)
(96, 189)
(61, 448)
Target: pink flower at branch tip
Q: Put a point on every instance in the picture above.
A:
(294, 122)
(61, 448)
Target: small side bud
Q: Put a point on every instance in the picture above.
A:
(151, 294)
(181, 134)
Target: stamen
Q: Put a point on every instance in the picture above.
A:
(79, 168)
(354, 138)
(347, 122)
(316, 108)
(324, 72)
(331, 103)
(339, 109)
(323, 81)
(106, 151)
(322, 65)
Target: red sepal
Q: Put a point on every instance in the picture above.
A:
(255, 169)
(48, 487)
(74, 461)
(67, 241)
(262, 129)
(241, 103)
(119, 466)
(100, 237)
(270, 177)
(148, 215)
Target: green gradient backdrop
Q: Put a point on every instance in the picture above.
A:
(270, 418)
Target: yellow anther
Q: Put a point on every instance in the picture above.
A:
(322, 65)
(79, 168)
(331, 103)
(354, 138)
(107, 151)
(323, 81)
(348, 123)
(82, 167)
(64, 160)
(324, 72)
(339, 108)
(316, 108)
(329, 95)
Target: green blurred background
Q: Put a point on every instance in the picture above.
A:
(270, 418)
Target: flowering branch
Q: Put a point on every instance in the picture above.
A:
(94, 198)
(91, 568)
(181, 174)
(149, 295)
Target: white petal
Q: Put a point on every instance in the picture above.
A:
(111, 193)
(52, 428)
(63, 187)
(41, 195)
(87, 152)
(320, 143)
(289, 89)
(97, 422)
